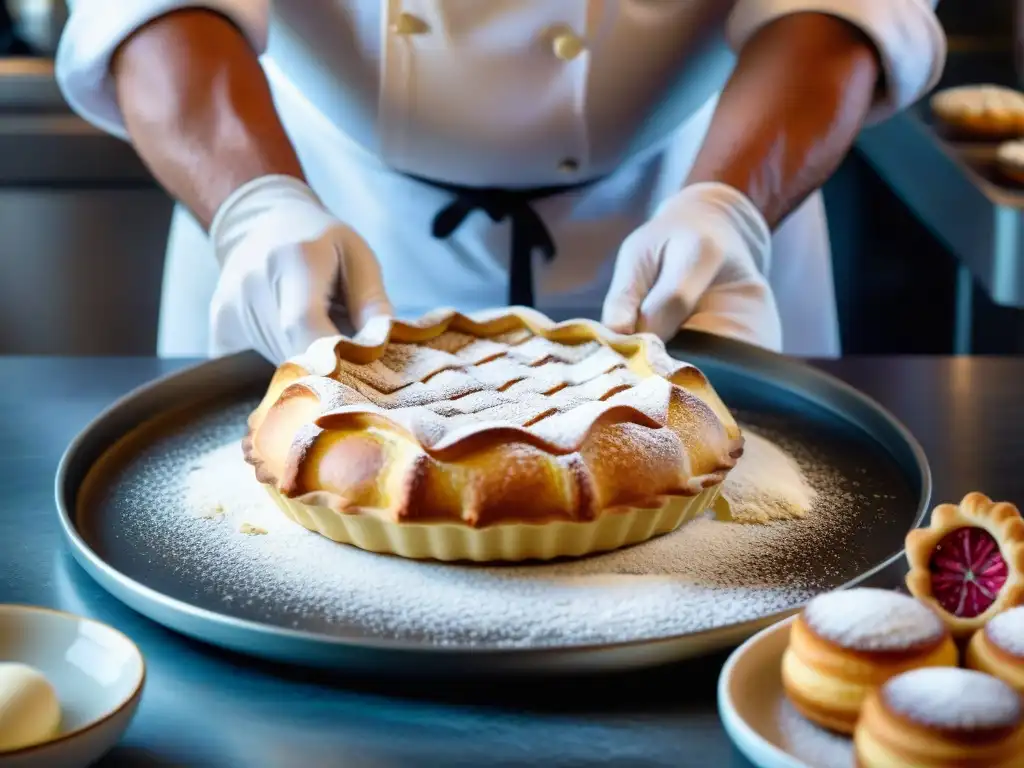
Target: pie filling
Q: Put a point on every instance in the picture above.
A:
(968, 571)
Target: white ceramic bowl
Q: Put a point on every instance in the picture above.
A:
(98, 674)
(758, 717)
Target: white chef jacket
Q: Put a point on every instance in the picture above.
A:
(482, 93)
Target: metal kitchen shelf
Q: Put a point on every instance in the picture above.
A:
(953, 188)
(42, 142)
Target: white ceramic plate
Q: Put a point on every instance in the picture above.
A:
(758, 717)
(98, 674)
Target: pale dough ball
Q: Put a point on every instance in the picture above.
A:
(29, 709)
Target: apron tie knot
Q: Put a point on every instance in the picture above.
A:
(529, 232)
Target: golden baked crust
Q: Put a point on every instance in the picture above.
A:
(1002, 565)
(487, 420)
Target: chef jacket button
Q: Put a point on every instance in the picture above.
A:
(407, 24)
(567, 46)
(569, 165)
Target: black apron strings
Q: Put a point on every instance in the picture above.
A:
(529, 233)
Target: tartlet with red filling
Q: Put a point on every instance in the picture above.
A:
(968, 564)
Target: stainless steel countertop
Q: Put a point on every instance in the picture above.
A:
(203, 707)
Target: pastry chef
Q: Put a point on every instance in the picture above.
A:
(653, 163)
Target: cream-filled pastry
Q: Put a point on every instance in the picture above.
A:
(998, 648)
(941, 718)
(845, 644)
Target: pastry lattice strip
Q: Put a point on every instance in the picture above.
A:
(463, 379)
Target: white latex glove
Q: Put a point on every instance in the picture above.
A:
(700, 262)
(285, 262)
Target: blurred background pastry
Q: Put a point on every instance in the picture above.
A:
(1010, 160)
(980, 111)
(941, 718)
(847, 643)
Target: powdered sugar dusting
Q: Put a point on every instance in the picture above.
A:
(953, 699)
(1006, 630)
(766, 484)
(454, 386)
(872, 620)
(708, 574)
(651, 590)
(807, 742)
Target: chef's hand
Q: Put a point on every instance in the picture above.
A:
(285, 262)
(699, 262)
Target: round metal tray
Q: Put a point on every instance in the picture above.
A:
(854, 434)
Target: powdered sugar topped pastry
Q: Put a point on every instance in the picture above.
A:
(496, 436)
(848, 642)
(998, 648)
(980, 111)
(941, 717)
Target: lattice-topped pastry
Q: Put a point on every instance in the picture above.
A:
(497, 436)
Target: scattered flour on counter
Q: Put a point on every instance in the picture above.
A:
(811, 744)
(707, 574)
(766, 485)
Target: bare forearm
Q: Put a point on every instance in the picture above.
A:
(790, 112)
(198, 108)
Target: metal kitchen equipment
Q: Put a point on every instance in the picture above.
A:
(83, 225)
(853, 433)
